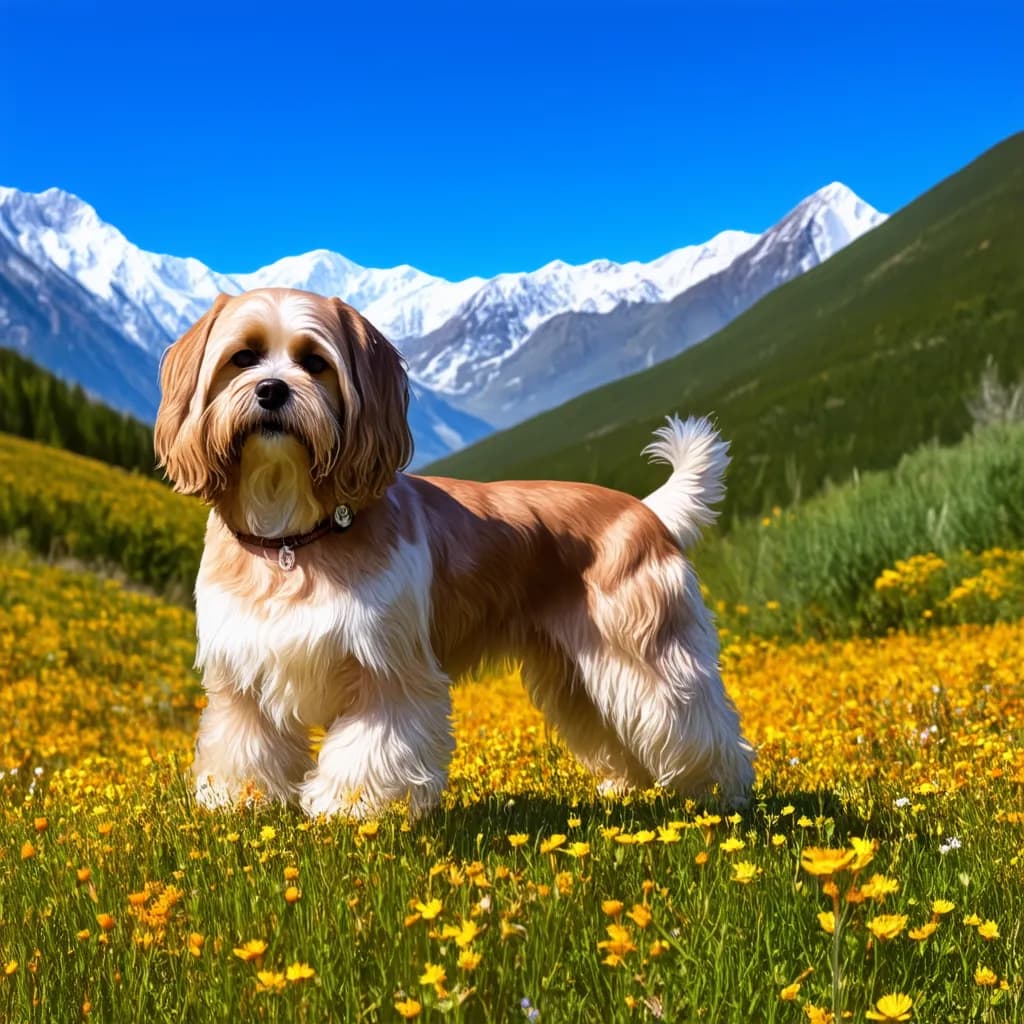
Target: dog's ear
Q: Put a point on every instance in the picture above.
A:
(376, 441)
(178, 448)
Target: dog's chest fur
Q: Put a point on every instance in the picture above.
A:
(309, 657)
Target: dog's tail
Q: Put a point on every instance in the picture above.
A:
(698, 457)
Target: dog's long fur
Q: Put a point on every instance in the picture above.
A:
(589, 587)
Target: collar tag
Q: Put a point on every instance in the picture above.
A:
(343, 516)
(286, 558)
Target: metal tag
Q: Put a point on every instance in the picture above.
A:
(343, 517)
(286, 558)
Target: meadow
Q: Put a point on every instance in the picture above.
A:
(873, 642)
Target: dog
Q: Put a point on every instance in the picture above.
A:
(336, 590)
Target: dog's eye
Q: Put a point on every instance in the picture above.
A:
(245, 358)
(313, 364)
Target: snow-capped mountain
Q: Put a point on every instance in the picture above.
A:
(582, 348)
(81, 299)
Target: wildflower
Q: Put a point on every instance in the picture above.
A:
(887, 926)
(895, 1006)
(951, 843)
(466, 933)
(612, 907)
(925, 931)
(434, 974)
(299, 972)
(731, 845)
(824, 863)
(778, 840)
(269, 981)
(640, 915)
(972, 920)
(40, 824)
(82, 935)
(668, 835)
(408, 1008)
(985, 976)
(28, 851)
(878, 887)
(989, 930)
(657, 947)
(552, 843)
(251, 950)
(744, 872)
(468, 960)
(106, 921)
(790, 992)
(818, 1014)
(369, 829)
(864, 853)
(575, 822)
(518, 839)
(578, 850)
(83, 875)
(292, 894)
(10, 967)
(619, 941)
(701, 859)
(827, 920)
(291, 873)
(429, 910)
(196, 942)
(940, 907)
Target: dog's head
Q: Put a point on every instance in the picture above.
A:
(280, 367)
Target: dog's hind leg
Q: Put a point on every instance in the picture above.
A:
(558, 690)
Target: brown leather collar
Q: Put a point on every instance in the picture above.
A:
(339, 522)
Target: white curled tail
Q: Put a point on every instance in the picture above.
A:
(698, 457)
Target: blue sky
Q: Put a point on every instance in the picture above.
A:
(470, 139)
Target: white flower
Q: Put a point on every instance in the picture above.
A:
(901, 801)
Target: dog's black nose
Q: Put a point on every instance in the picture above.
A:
(272, 393)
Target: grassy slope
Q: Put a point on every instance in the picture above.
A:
(853, 364)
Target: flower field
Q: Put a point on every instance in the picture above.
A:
(878, 873)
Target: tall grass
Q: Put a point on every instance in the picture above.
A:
(820, 560)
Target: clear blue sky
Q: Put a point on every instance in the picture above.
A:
(477, 138)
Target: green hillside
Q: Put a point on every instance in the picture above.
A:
(37, 405)
(860, 360)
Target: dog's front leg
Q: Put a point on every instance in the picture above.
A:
(393, 744)
(240, 747)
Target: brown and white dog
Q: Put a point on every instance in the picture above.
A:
(279, 408)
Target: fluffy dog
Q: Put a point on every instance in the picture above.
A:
(336, 590)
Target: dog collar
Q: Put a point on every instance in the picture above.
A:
(339, 522)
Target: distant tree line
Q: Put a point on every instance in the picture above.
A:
(37, 405)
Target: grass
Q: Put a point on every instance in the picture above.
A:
(812, 570)
(845, 369)
(122, 901)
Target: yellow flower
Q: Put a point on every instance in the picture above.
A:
(518, 839)
(291, 873)
(925, 931)
(408, 1008)
(731, 845)
(368, 829)
(468, 960)
(82, 935)
(744, 872)
(887, 926)
(644, 836)
(827, 920)
(434, 974)
(267, 833)
(292, 894)
(942, 906)
(28, 851)
(575, 822)
(269, 981)
(668, 835)
(823, 863)
(40, 824)
(864, 853)
(989, 930)
(612, 907)
(640, 915)
(466, 933)
(83, 875)
(985, 976)
(10, 967)
(818, 1014)
(878, 887)
(429, 910)
(895, 1006)
(701, 859)
(657, 947)
(299, 972)
(972, 920)
(787, 810)
(578, 850)
(778, 840)
(195, 943)
(619, 941)
(251, 950)
(790, 992)
(552, 843)
(106, 921)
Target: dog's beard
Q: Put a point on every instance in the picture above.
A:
(275, 492)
